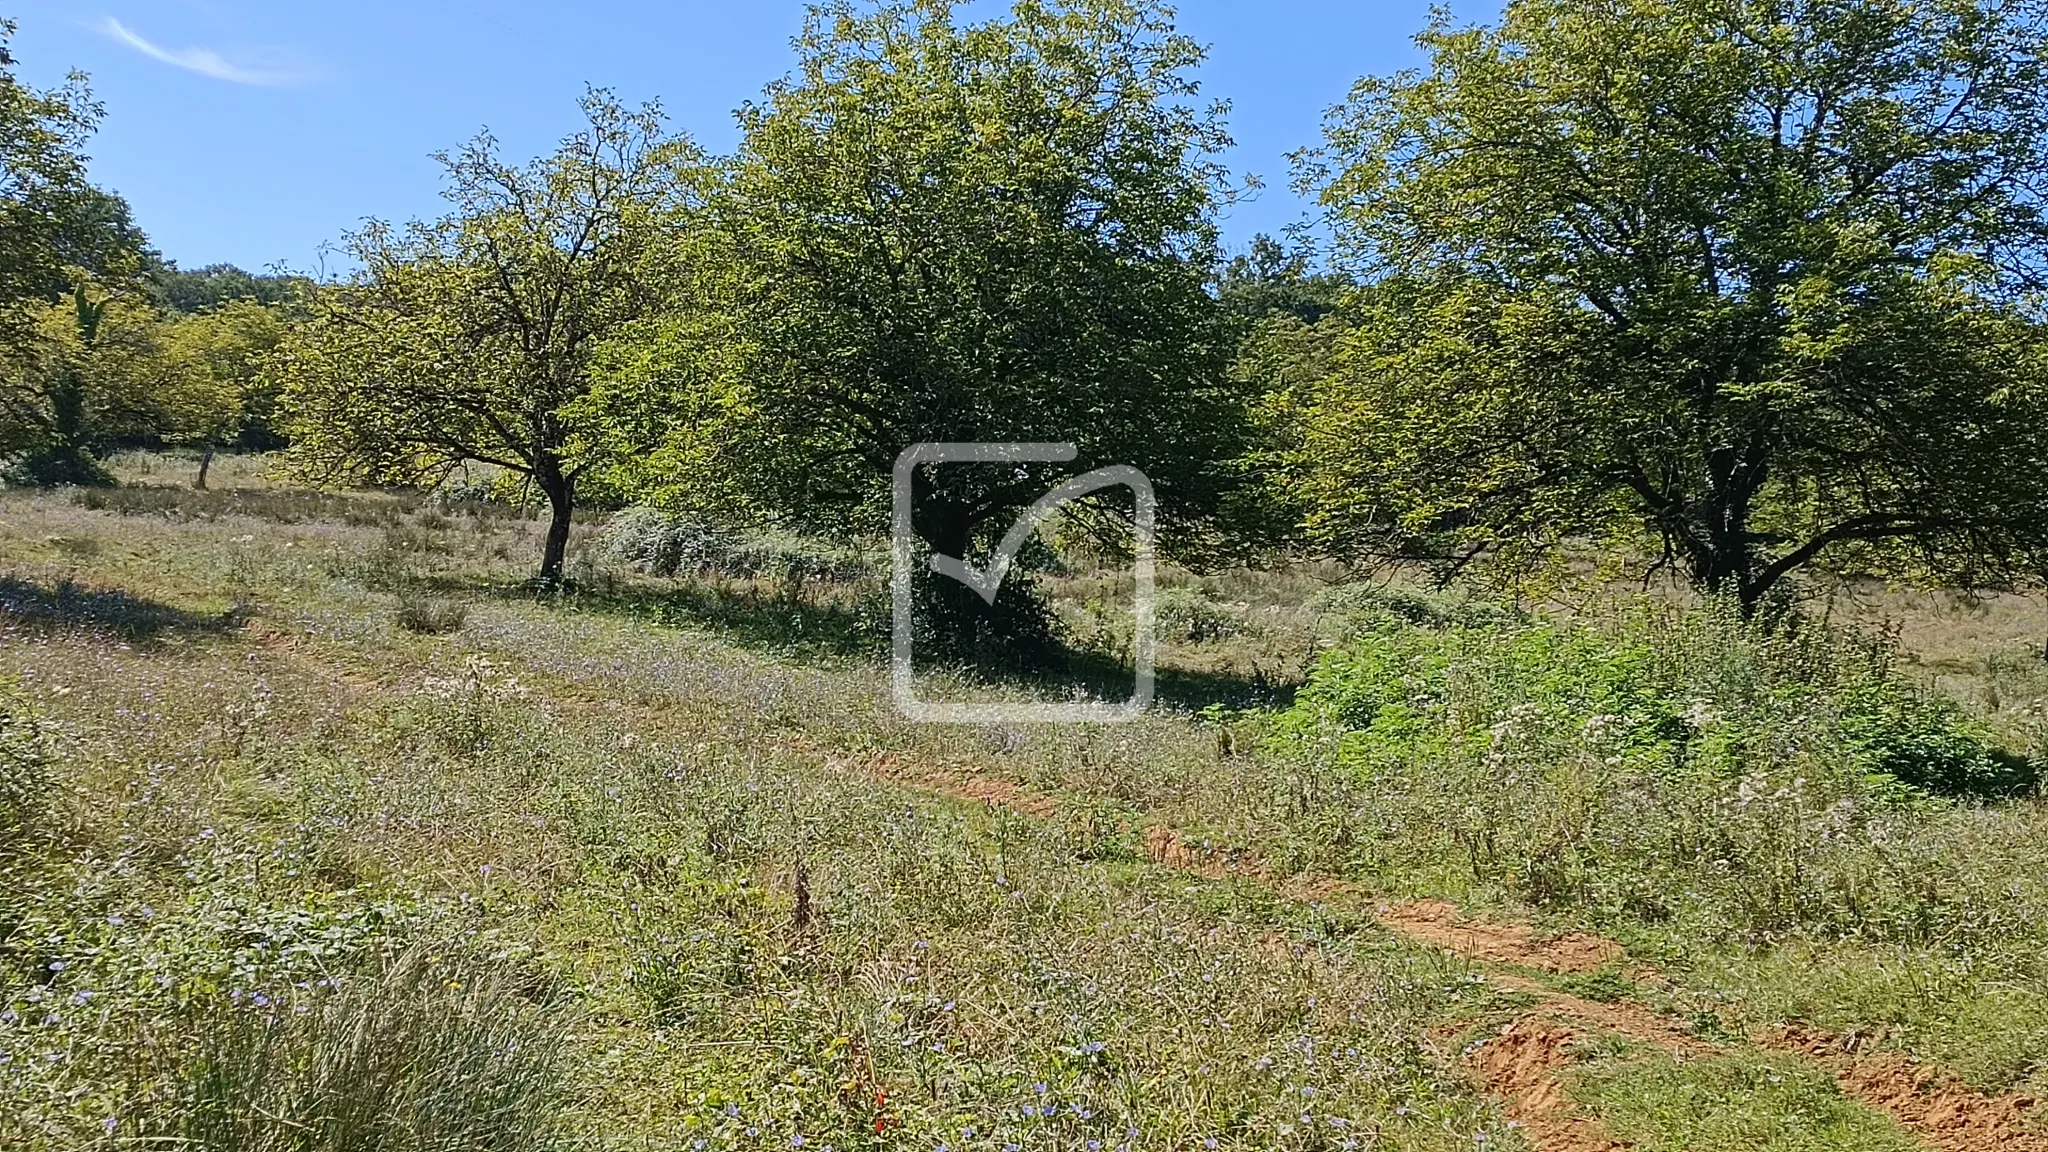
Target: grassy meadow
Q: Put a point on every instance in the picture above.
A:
(319, 829)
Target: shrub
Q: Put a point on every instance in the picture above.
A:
(430, 617)
(1655, 766)
(659, 544)
(1355, 609)
(1186, 614)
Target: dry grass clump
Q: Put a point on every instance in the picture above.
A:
(427, 616)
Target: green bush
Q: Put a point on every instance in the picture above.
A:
(1351, 610)
(659, 544)
(1655, 767)
(1186, 614)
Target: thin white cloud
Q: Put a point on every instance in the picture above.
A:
(204, 61)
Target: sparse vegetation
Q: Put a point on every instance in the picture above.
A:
(428, 616)
(716, 889)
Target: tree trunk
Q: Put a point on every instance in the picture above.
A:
(205, 462)
(1015, 634)
(561, 493)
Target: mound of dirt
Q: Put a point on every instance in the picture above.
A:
(1520, 1067)
(1946, 1115)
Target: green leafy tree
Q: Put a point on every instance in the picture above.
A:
(62, 241)
(222, 393)
(472, 338)
(1750, 278)
(46, 205)
(96, 373)
(1271, 280)
(218, 284)
(998, 231)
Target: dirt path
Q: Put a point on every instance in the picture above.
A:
(1523, 1064)
(1947, 1116)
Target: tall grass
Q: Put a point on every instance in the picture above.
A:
(25, 759)
(423, 1056)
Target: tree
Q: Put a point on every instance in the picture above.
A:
(46, 205)
(218, 284)
(990, 232)
(472, 338)
(221, 357)
(62, 243)
(1269, 280)
(1755, 279)
(94, 372)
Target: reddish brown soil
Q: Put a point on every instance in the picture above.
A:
(1945, 1115)
(1521, 1067)
(1441, 924)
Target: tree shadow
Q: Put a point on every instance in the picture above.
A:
(854, 628)
(751, 617)
(107, 611)
(1181, 688)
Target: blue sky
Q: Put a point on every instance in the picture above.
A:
(256, 132)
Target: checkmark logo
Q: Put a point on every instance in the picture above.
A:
(987, 579)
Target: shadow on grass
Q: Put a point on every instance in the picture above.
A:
(1179, 688)
(856, 630)
(135, 619)
(750, 617)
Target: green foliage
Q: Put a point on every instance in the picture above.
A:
(51, 219)
(93, 371)
(1268, 281)
(219, 284)
(1747, 281)
(1187, 615)
(942, 231)
(1767, 1104)
(223, 355)
(1355, 608)
(473, 338)
(56, 230)
(1660, 767)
